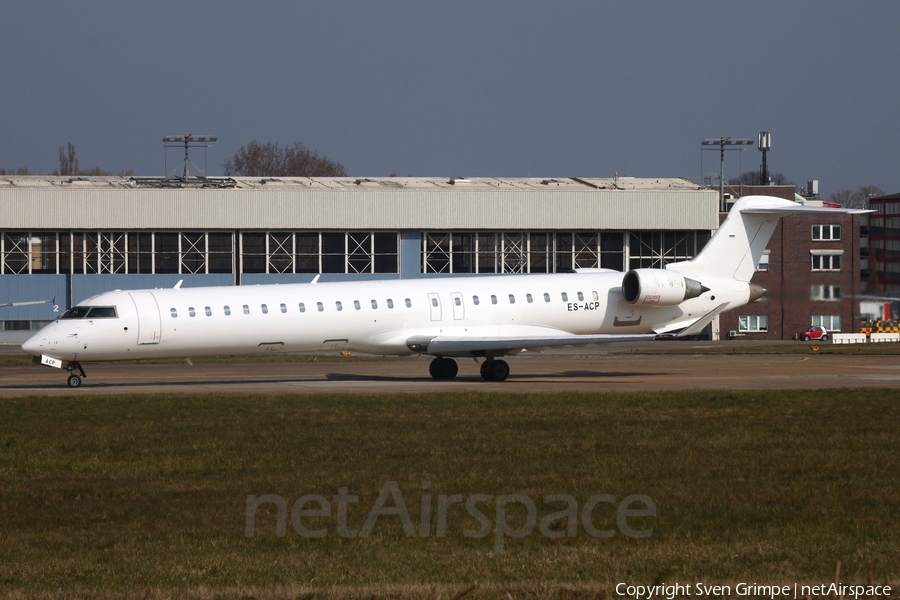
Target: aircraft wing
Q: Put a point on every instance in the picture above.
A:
(497, 346)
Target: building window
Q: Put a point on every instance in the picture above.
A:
(763, 262)
(829, 322)
(826, 261)
(753, 323)
(826, 232)
(825, 292)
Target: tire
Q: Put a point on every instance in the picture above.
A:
(805, 338)
(74, 381)
(824, 338)
(443, 368)
(486, 371)
(499, 370)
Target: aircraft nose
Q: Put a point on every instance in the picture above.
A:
(34, 344)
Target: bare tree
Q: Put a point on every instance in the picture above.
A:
(753, 178)
(857, 199)
(270, 160)
(19, 171)
(68, 162)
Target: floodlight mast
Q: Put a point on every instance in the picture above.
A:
(721, 143)
(174, 141)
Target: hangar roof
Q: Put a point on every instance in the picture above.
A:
(355, 203)
(541, 184)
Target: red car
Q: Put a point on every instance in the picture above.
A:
(815, 333)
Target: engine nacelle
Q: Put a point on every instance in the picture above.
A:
(659, 287)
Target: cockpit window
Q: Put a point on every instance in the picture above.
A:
(90, 312)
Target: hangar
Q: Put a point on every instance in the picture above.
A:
(64, 239)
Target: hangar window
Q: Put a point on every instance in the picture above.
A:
(753, 323)
(656, 249)
(826, 232)
(826, 261)
(829, 322)
(825, 292)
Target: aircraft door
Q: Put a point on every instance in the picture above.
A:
(434, 303)
(459, 310)
(149, 323)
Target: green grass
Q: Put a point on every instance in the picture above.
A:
(104, 497)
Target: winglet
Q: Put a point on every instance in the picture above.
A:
(178, 285)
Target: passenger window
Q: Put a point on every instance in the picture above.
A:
(338, 305)
(265, 309)
(390, 303)
(580, 297)
(356, 304)
(565, 297)
(458, 301)
(302, 307)
(493, 299)
(174, 313)
(512, 299)
(529, 298)
(408, 303)
(374, 304)
(546, 297)
(284, 308)
(227, 310)
(434, 302)
(475, 300)
(191, 311)
(319, 306)
(595, 295)
(246, 310)
(208, 311)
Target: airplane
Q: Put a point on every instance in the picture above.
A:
(479, 317)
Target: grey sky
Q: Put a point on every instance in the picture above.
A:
(460, 88)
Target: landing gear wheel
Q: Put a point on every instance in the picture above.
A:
(494, 370)
(74, 381)
(443, 368)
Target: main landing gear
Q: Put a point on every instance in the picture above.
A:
(74, 380)
(491, 369)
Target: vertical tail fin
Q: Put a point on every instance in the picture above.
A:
(736, 248)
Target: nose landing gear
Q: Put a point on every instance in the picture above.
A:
(74, 380)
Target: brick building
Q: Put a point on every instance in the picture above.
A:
(812, 274)
(884, 245)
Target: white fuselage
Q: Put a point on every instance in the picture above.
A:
(376, 317)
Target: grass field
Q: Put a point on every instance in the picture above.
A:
(111, 498)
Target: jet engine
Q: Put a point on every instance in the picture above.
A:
(659, 287)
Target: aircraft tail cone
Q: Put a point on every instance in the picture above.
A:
(757, 292)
